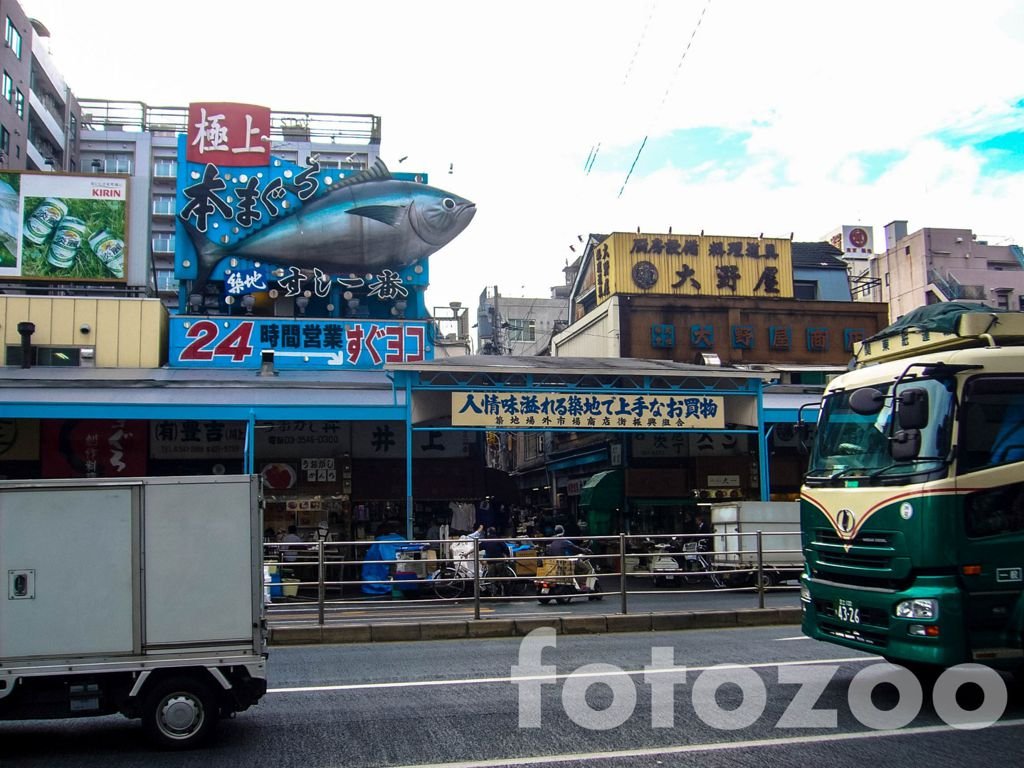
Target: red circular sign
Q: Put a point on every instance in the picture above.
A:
(858, 237)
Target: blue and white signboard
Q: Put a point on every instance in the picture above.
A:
(324, 344)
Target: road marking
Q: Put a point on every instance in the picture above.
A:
(577, 757)
(795, 637)
(553, 678)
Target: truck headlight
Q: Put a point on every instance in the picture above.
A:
(918, 609)
(805, 593)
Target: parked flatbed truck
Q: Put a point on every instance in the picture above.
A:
(139, 596)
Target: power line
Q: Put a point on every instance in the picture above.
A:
(596, 149)
(664, 97)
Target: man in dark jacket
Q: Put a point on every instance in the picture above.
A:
(563, 547)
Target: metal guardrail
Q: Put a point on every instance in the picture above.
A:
(453, 571)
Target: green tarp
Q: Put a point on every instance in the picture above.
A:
(942, 317)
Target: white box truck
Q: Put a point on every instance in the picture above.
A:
(734, 527)
(139, 596)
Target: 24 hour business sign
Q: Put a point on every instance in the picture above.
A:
(586, 410)
(307, 344)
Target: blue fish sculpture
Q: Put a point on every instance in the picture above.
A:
(366, 221)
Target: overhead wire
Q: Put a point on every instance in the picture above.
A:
(664, 97)
(596, 149)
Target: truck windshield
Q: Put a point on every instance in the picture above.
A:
(851, 445)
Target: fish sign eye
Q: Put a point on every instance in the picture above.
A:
(448, 203)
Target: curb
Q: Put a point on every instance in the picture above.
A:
(566, 625)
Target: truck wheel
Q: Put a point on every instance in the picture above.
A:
(179, 712)
(767, 579)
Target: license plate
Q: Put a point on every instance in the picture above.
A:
(544, 590)
(670, 578)
(847, 611)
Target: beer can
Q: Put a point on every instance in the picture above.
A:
(43, 219)
(67, 239)
(109, 250)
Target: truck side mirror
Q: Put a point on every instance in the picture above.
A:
(913, 408)
(866, 401)
(905, 444)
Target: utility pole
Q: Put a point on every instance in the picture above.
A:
(496, 327)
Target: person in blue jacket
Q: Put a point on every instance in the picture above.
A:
(376, 567)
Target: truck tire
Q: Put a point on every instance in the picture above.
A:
(179, 712)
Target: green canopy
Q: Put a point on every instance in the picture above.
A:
(601, 500)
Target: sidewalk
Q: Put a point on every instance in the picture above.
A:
(497, 627)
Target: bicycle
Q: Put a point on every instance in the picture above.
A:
(498, 579)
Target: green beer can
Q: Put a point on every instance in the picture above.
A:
(67, 239)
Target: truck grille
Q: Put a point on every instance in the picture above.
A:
(868, 551)
(828, 536)
(867, 637)
(852, 560)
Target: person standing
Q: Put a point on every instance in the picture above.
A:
(290, 554)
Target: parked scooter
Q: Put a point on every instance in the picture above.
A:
(559, 579)
(676, 561)
(667, 564)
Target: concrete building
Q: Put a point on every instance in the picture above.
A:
(523, 326)
(935, 264)
(40, 118)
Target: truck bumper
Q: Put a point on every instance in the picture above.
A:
(865, 619)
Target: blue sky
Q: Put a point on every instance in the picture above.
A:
(798, 116)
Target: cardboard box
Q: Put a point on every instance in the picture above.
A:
(526, 561)
(554, 566)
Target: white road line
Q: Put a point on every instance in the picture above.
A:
(553, 678)
(577, 757)
(795, 637)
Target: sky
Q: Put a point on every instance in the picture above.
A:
(793, 116)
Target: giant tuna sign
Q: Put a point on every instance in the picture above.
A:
(250, 223)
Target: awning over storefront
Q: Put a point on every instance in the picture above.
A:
(186, 394)
(601, 500)
(784, 407)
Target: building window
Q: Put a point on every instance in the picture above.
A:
(1020, 303)
(805, 289)
(165, 281)
(5, 142)
(13, 37)
(521, 330)
(163, 205)
(166, 169)
(19, 103)
(1003, 299)
(887, 278)
(72, 125)
(8, 87)
(163, 243)
(45, 356)
(117, 164)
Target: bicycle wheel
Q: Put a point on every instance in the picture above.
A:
(514, 585)
(448, 584)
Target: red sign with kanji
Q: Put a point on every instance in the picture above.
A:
(94, 448)
(225, 133)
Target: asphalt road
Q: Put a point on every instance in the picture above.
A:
(454, 703)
